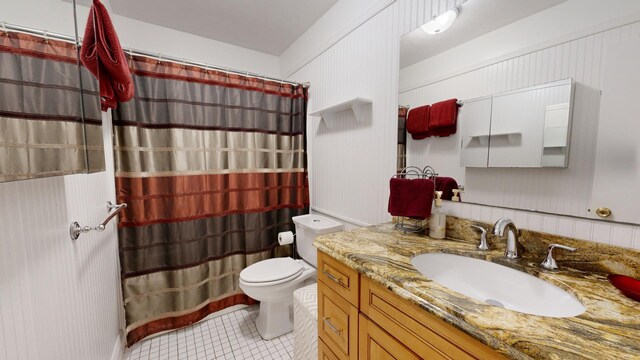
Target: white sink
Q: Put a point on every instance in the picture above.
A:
(498, 285)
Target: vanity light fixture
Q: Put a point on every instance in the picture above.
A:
(440, 24)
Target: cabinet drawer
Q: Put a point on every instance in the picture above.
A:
(337, 323)
(427, 335)
(324, 353)
(339, 277)
(376, 343)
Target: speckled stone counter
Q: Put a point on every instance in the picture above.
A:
(608, 329)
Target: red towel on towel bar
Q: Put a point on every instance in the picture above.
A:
(443, 118)
(411, 197)
(102, 54)
(418, 122)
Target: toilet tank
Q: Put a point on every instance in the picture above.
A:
(308, 227)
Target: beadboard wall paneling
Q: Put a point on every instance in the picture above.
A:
(350, 163)
(346, 16)
(340, 20)
(563, 191)
(59, 299)
(414, 13)
(622, 235)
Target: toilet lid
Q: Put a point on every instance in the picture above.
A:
(271, 270)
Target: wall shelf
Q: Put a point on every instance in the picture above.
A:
(356, 105)
(484, 138)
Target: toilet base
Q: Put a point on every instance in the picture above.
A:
(274, 319)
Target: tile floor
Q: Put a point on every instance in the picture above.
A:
(230, 336)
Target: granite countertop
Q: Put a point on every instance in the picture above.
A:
(608, 329)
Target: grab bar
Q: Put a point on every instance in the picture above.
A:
(75, 229)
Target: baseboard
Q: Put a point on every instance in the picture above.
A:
(118, 348)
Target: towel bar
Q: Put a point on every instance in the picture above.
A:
(75, 229)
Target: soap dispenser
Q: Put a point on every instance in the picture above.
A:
(438, 219)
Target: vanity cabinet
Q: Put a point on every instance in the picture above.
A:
(337, 308)
(378, 324)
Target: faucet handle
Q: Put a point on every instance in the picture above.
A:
(483, 237)
(550, 263)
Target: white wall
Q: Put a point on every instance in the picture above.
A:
(59, 299)
(565, 22)
(144, 36)
(350, 165)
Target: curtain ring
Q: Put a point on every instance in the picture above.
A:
(184, 63)
(5, 32)
(159, 59)
(46, 36)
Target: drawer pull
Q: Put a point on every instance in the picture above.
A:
(333, 278)
(331, 326)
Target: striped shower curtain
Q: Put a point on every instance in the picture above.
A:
(212, 166)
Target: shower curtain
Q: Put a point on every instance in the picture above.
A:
(401, 162)
(213, 166)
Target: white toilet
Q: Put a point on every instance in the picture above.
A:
(273, 281)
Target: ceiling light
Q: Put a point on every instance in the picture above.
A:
(441, 23)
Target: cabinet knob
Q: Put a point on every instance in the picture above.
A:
(603, 212)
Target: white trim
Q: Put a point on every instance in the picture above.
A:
(608, 25)
(340, 217)
(118, 348)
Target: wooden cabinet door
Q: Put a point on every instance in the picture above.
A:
(337, 323)
(376, 344)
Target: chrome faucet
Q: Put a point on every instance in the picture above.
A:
(514, 248)
(550, 263)
(483, 245)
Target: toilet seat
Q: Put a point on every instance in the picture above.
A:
(271, 272)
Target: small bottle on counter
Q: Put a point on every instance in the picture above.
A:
(455, 196)
(438, 219)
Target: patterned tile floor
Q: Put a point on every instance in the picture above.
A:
(230, 336)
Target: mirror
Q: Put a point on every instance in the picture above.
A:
(540, 79)
(50, 124)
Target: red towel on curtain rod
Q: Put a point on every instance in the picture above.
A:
(102, 54)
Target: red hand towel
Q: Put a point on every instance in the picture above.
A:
(411, 197)
(102, 54)
(418, 122)
(443, 118)
(446, 185)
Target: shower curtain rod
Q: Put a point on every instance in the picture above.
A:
(161, 57)
(4, 27)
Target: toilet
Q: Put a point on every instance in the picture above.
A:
(273, 281)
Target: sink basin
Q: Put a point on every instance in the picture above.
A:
(498, 285)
